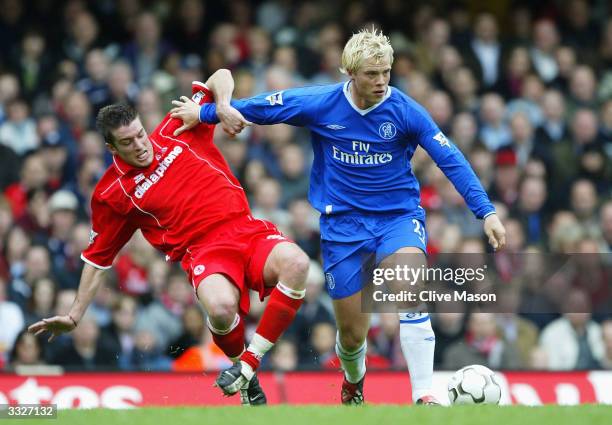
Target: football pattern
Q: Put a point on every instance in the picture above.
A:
(474, 384)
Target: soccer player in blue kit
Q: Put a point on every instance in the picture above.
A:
(364, 133)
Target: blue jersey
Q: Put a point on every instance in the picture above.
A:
(362, 156)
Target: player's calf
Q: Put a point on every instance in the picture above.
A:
(220, 299)
(286, 268)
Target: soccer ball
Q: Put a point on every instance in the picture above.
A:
(474, 384)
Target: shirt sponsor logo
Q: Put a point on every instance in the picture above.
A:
(361, 155)
(140, 177)
(275, 98)
(159, 172)
(387, 130)
(441, 138)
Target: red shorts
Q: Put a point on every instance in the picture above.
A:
(237, 249)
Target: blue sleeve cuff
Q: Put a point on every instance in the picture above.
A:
(489, 213)
(208, 113)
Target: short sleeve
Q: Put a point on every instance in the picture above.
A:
(110, 231)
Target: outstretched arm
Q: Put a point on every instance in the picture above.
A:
(91, 279)
(291, 106)
(458, 170)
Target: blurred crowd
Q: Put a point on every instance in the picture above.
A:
(524, 89)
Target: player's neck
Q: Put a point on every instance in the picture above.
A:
(359, 101)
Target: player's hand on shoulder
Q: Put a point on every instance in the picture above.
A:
(187, 111)
(495, 231)
(232, 121)
(56, 326)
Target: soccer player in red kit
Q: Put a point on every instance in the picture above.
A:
(181, 194)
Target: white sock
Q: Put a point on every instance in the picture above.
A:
(353, 362)
(259, 346)
(418, 343)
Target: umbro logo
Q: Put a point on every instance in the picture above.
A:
(279, 237)
(335, 126)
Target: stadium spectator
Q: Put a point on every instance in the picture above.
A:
(582, 346)
(514, 329)
(95, 82)
(485, 53)
(86, 351)
(148, 354)
(494, 131)
(12, 322)
(194, 327)
(284, 357)
(41, 303)
(545, 41)
(267, 203)
(449, 328)
(518, 67)
(482, 345)
(505, 187)
(205, 355)
(606, 332)
(27, 351)
(33, 64)
(147, 52)
(83, 35)
(119, 334)
(316, 309)
(606, 225)
(384, 340)
(531, 208)
(320, 345)
(583, 200)
(583, 89)
(304, 228)
(18, 131)
(294, 179)
(36, 265)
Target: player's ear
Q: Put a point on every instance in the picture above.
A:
(111, 147)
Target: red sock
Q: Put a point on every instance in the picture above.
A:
(231, 343)
(277, 317)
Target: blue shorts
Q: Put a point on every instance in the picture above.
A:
(343, 261)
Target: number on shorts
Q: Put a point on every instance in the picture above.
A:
(419, 230)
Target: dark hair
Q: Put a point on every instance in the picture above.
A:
(112, 117)
(18, 340)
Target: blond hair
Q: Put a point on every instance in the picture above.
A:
(366, 44)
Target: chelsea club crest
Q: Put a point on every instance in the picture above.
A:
(387, 130)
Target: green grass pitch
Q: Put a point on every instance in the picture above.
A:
(340, 415)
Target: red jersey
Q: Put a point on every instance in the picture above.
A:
(186, 191)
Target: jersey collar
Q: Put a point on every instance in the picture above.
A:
(349, 98)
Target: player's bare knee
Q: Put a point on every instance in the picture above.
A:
(351, 340)
(294, 268)
(222, 313)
